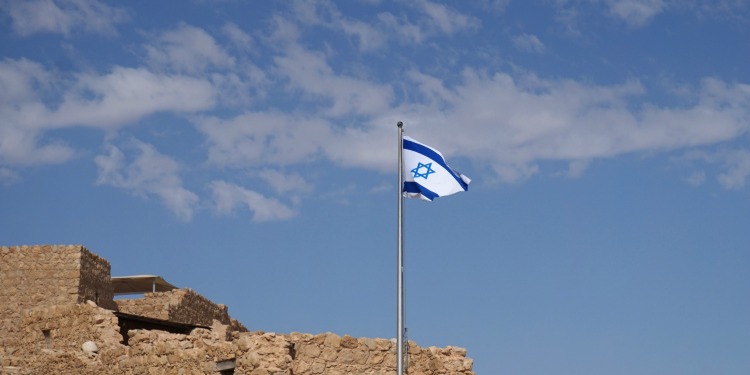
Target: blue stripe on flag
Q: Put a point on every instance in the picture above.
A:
(415, 188)
(430, 153)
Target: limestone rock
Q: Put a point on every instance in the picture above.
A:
(90, 348)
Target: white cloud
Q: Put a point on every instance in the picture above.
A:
(239, 37)
(371, 145)
(63, 16)
(20, 146)
(279, 139)
(509, 124)
(567, 17)
(127, 94)
(308, 71)
(737, 169)
(22, 83)
(402, 28)
(254, 139)
(325, 14)
(495, 5)
(229, 196)
(34, 100)
(113, 99)
(433, 88)
(734, 166)
(149, 173)
(432, 19)
(242, 81)
(284, 183)
(283, 31)
(576, 168)
(717, 8)
(446, 19)
(636, 13)
(528, 43)
(315, 12)
(188, 49)
(514, 123)
(696, 178)
(369, 38)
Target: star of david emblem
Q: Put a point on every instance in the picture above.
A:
(424, 175)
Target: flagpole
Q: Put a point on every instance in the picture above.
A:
(400, 293)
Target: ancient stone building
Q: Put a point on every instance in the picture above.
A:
(58, 315)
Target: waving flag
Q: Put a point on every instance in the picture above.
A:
(426, 175)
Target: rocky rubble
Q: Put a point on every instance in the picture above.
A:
(52, 324)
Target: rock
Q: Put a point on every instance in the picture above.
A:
(90, 348)
(349, 342)
(332, 340)
(369, 343)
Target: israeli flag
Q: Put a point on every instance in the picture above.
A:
(426, 175)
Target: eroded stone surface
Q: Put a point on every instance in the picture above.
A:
(58, 316)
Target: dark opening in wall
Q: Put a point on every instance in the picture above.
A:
(47, 338)
(129, 322)
(292, 350)
(225, 367)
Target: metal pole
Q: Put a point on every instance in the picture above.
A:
(400, 303)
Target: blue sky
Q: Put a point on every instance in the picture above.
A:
(247, 150)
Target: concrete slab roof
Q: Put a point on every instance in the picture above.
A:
(138, 284)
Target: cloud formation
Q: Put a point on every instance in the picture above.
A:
(273, 100)
(635, 13)
(228, 197)
(735, 164)
(190, 50)
(103, 101)
(528, 43)
(63, 16)
(147, 173)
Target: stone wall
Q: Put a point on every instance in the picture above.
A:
(179, 305)
(263, 353)
(53, 331)
(203, 352)
(95, 280)
(56, 305)
(170, 353)
(45, 275)
(333, 354)
(33, 277)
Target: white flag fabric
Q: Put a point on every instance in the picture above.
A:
(426, 175)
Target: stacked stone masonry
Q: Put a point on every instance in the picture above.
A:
(37, 276)
(179, 305)
(60, 317)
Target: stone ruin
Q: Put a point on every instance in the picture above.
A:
(58, 315)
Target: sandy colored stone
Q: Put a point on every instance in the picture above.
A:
(55, 299)
(310, 351)
(349, 342)
(332, 340)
